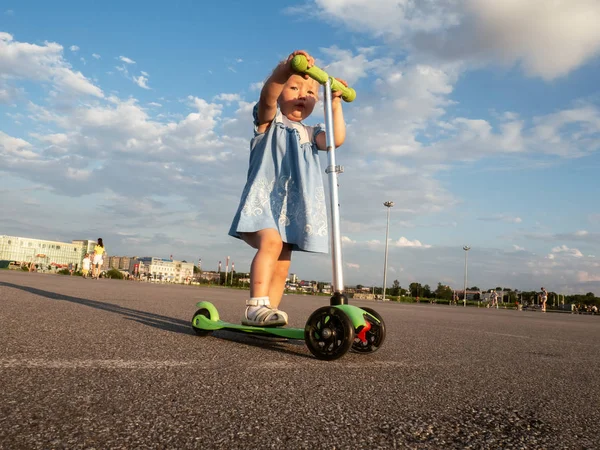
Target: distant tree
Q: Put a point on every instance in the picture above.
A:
(359, 286)
(115, 274)
(427, 291)
(474, 288)
(415, 289)
(395, 291)
(443, 292)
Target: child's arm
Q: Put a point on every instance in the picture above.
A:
(267, 105)
(339, 126)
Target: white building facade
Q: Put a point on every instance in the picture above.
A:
(162, 270)
(46, 254)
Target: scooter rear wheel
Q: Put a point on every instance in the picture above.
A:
(329, 333)
(374, 337)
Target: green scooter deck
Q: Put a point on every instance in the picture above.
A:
(204, 323)
(214, 323)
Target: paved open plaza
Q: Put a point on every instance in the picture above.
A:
(115, 364)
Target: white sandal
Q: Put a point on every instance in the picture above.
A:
(265, 316)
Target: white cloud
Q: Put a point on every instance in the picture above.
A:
(518, 248)
(228, 98)
(73, 48)
(347, 240)
(569, 251)
(126, 60)
(501, 218)
(96, 56)
(257, 86)
(404, 242)
(352, 67)
(586, 277)
(141, 81)
(24, 61)
(157, 105)
(11, 147)
(9, 93)
(548, 39)
(55, 138)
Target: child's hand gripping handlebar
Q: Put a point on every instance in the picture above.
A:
(300, 65)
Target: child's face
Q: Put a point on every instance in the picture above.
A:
(298, 98)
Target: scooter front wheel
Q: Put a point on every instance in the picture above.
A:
(371, 340)
(201, 312)
(329, 333)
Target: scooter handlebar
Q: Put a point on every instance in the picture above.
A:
(300, 65)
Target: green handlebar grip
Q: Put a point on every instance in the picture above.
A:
(300, 65)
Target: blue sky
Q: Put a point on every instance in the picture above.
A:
(481, 120)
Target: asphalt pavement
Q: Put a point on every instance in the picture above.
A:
(115, 364)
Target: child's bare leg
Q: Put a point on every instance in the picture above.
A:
(259, 310)
(269, 246)
(282, 267)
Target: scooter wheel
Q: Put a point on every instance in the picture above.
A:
(201, 312)
(329, 333)
(374, 337)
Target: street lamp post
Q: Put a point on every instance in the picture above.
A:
(466, 248)
(388, 205)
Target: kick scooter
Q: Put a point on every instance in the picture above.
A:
(332, 330)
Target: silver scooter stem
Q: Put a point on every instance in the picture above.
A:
(332, 171)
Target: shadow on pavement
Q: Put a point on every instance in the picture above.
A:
(166, 323)
(280, 345)
(145, 318)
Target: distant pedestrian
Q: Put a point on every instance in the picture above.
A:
(494, 298)
(544, 298)
(85, 265)
(99, 253)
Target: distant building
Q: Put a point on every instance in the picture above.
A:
(363, 296)
(124, 262)
(471, 295)
(87, 246)
(114, 262)
(44, 253)
(162, 269)
(212, 277)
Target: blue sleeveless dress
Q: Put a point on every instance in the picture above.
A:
(284, 189)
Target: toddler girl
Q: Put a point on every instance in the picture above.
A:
(283, 203)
